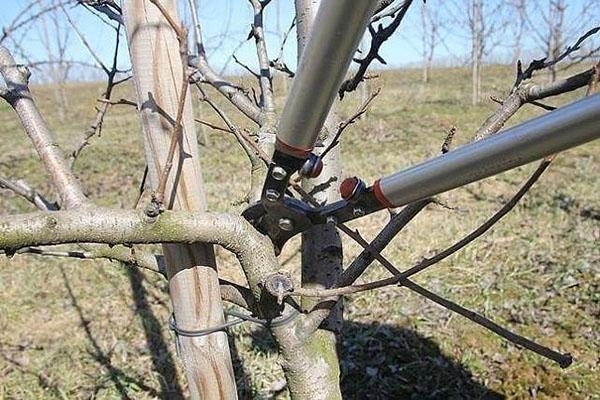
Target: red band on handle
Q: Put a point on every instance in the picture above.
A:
(379, 196)
(291, 150)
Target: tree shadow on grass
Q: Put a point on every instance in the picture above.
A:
(162, 360)
(120, 379)
(242, 379)
(382, 361)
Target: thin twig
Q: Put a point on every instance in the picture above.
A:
(266, 84)
(349, 121)
(213, 126)
(543, 63)
(378, 37)
(27, 192)
(564, 360)
(448, 141)
(181, 33)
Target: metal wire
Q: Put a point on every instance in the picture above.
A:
(239, 318)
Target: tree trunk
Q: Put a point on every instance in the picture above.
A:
(191, 269)
(556, 15)
(321, 245)
(476, 51)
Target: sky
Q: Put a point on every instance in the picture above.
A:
(226, 24)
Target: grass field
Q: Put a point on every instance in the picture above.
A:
(84, 329)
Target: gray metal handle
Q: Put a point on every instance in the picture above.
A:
(567, 127)
(338, 28)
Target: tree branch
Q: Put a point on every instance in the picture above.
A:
(27, 192)
(529, 93)
(233, 93)
(266, 85)
(17, 94)
(378, 37)
(230, 291)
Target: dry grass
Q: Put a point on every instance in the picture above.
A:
(73, 329)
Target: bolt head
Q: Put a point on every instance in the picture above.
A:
(272, 195)
(313, 166)
(352, 188)
(286, 224)
(278, 173)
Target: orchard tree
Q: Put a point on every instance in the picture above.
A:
(169, 66)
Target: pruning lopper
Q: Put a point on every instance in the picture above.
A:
(327, 55)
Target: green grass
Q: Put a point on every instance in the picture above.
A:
(82, 329)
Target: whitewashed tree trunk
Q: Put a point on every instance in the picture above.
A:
(191, 269)
(321, 245)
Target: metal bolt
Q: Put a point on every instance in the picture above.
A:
(278, 173)
(332, 220)
(286, 224)
(272, 195)
(358, 212)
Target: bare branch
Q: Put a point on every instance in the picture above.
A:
(131, 257)
(230, 291)
(20, 98)
(19, 23)
(106, 7)
(277, 63)
(266, 84)
(529, 93)
(543, 63)
(181, 33)
(95, 127)
(564, 360)
(27, 192)
(378, 37)
(235, 94)
(349, 121)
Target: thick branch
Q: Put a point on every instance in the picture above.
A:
(114, 226)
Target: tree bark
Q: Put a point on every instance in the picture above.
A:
(191, 269)
(322, 245)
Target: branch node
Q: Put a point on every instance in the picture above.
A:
(278, 285)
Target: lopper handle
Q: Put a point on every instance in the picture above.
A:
(569, 126)
(339, 26)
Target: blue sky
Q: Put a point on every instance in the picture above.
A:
(226, 24)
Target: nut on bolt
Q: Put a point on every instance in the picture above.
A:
(278, 173)
(358, 212)
(272, 195)
(286, 224)
(278, 285)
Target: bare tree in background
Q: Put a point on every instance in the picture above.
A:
(432, 26)
(54, 35)
(304, 317)
(519, 24)
(554, 24)
(481, 20)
